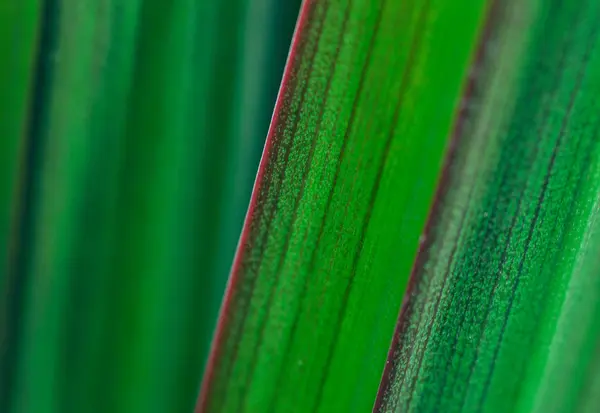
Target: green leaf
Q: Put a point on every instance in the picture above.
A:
(342, 194)
(140, 125)
(18, 35)
(18, 46)
(503, 309)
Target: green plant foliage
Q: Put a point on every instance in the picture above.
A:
(503, 311)
(18, 35)
(436, 158)
(343, 191)
(131, 131)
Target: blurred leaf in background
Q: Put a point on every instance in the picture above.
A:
(131, 132)
(459, 139)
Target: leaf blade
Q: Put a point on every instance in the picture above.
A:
(249, 365)
(498, 278)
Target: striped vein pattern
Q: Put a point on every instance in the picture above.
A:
(347, 177)
(127, 155)
(503, 300)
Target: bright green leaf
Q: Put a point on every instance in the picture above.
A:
(342, 195)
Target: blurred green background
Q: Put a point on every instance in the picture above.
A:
(130, 133)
